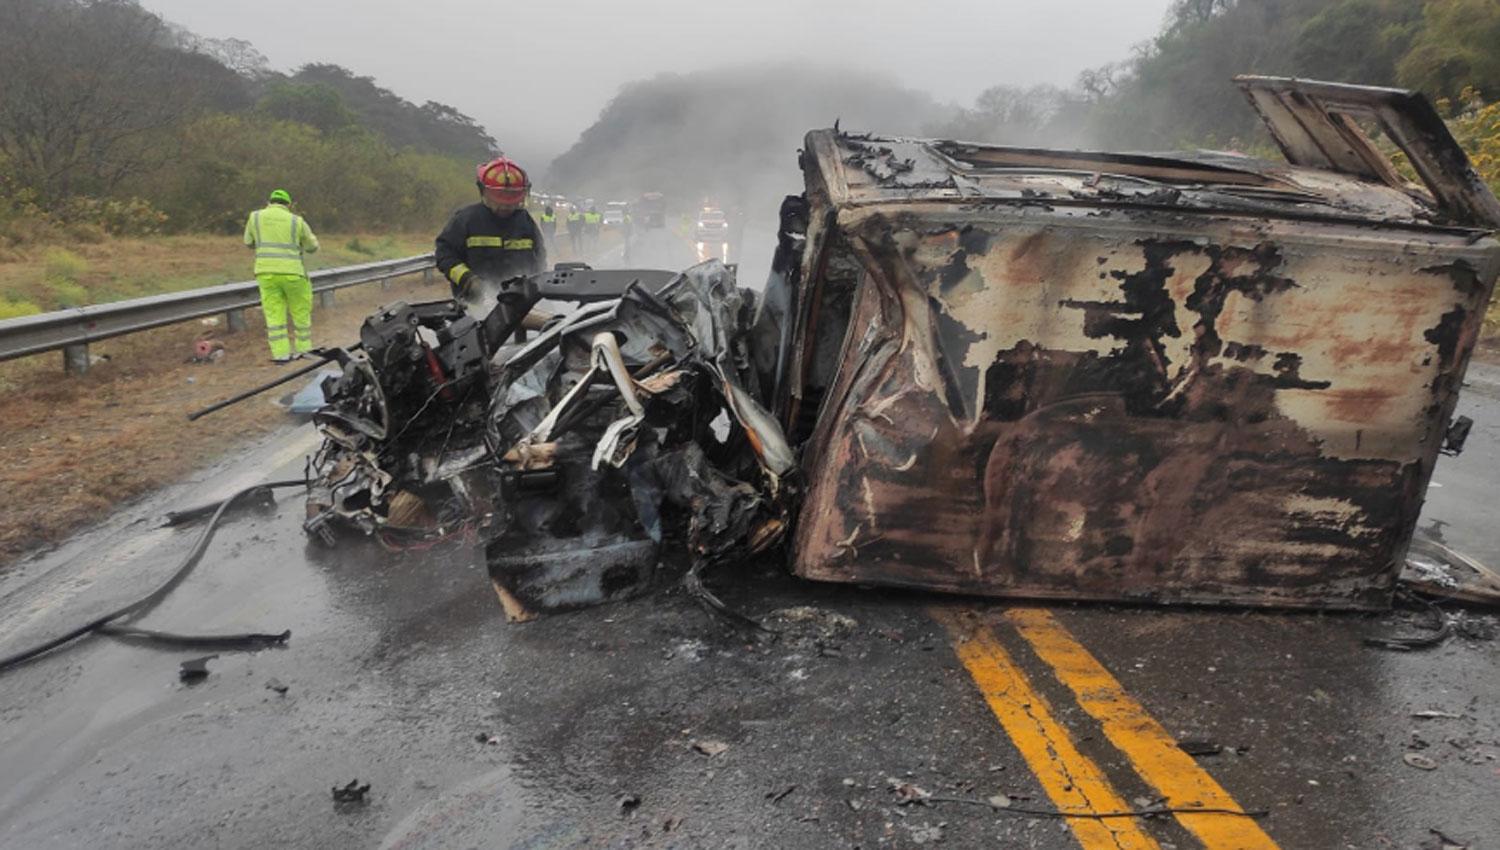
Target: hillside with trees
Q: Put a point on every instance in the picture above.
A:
(1175, 91)
(113, 121)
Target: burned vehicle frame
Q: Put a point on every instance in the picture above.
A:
(571, 456)
(1198, 378)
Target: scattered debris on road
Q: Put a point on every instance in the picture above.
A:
(777, 796)
(1200, 748)
(710, 748)
(1419, 761)
(1443, 842)
(274, 684)
(1436, 631)
(907, 793)
(1436, 570)
(195, 670)
(351, 793)
(1433, 714)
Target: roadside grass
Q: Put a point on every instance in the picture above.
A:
(74, 448)
(54, 277)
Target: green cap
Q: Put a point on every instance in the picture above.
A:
(281, 197)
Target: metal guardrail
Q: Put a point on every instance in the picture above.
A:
(73, 329)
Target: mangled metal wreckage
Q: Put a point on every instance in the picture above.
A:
(571, 456)
(1197, 378)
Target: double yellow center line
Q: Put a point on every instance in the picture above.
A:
(1073, 781)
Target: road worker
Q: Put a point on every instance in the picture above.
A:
(592, 222)
(494, 240)
(548, 223)
(280, 237)
(575, 230)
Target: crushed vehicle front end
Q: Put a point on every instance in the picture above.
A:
(1198, 378)
(569, 457)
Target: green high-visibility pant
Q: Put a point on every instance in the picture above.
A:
(281, 294)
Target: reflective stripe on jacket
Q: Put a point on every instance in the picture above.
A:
(478, 242)
(280, 238)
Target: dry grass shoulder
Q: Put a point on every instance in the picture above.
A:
(72, 448)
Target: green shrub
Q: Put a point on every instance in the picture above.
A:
(61, 273)
(342, 180)
(60, 265)
(118, 217)
(359, 247)
(22, 222)
(11, 309)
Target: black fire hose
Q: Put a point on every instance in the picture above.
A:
(106, 624)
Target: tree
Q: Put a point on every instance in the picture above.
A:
(1357, 41)
(313, 104)
(432, 126)
(1455, 48)
(81, 93)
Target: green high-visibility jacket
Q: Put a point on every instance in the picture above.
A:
(279, 237)
(592, 218)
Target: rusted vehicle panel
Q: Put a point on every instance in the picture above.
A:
(1191, 378)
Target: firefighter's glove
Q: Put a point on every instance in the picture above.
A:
(465, 284)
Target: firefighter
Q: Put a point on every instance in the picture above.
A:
(548, 223)
(495, 239)
(575, 230)
(279, 238)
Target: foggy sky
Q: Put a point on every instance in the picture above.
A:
(537, 73)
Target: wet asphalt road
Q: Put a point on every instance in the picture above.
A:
(580, 730)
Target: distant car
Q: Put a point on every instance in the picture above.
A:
(712, 226)
(615, 212)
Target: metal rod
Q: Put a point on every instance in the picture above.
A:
(254, 391)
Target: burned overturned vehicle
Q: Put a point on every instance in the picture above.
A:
(571, 456)
(1199, 378)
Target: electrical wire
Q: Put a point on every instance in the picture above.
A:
(103, 624)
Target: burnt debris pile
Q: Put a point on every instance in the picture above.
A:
(571, 456)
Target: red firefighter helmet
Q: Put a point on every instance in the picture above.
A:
(502, 181)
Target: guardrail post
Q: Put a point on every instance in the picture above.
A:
(325, 298)
(234, 320)
(385, 283)
(76, 358)
(427, 275)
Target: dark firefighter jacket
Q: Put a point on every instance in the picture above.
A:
(478, 243)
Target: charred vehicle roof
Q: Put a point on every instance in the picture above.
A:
(1187, 377)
